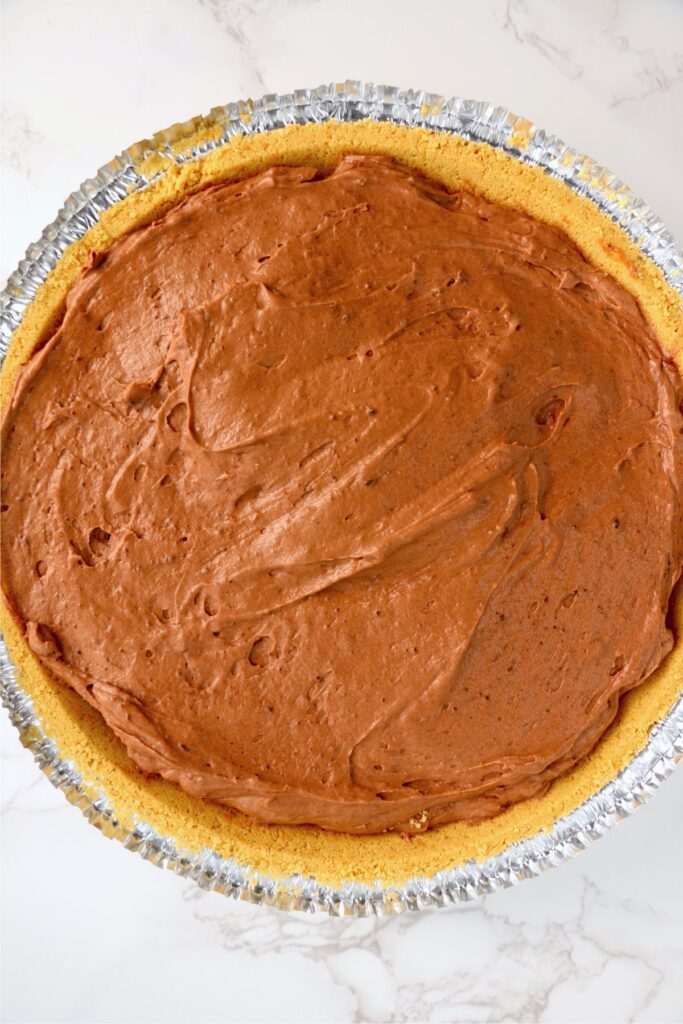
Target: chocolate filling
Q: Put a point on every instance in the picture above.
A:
(347, 500)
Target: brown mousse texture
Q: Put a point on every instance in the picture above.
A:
(347, 500)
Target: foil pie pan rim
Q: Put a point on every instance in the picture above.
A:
(350, 101)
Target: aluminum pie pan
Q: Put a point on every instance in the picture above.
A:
(352, 101)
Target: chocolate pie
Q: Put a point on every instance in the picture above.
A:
(343, 487)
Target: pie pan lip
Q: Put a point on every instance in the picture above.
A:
(133, 171)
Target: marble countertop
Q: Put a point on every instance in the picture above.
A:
(93, 934)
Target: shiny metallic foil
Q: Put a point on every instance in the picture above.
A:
(351, 101)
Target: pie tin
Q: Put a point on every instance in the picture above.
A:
(350, 101)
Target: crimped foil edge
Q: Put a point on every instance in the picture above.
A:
(350, 101)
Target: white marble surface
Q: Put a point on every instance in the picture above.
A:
(91, 933)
